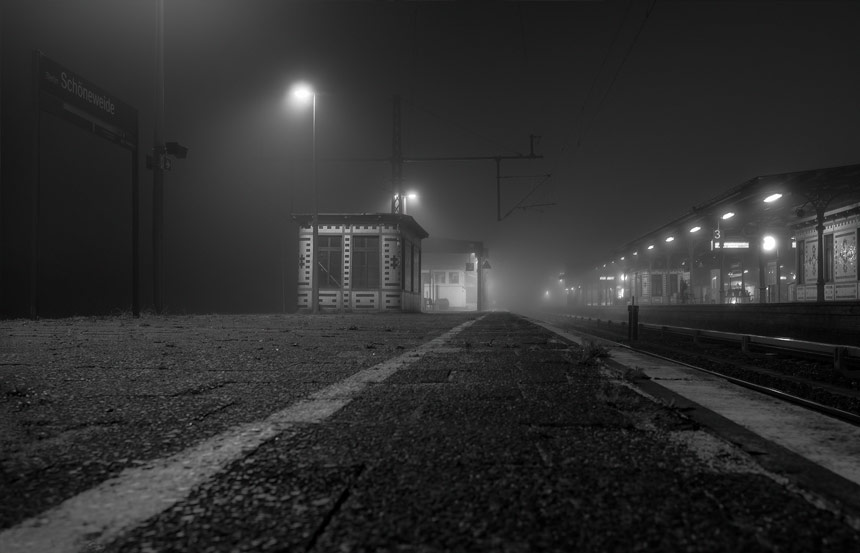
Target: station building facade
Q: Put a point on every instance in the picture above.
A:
(789, 237)
(365, 262)
(838, 266)
(452, 275)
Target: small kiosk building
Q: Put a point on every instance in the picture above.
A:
(364, 261)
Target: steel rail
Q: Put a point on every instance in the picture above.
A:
(832, 412)
(836, 352)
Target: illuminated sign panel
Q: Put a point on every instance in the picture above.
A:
(730, 245)
(66, 94)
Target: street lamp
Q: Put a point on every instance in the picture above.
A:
(772, 198)
(408, 196)
(304, 93)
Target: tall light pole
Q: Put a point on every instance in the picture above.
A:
(770, 244)
(158, 168)
(304, 93)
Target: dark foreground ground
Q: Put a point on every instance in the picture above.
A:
(498, 438)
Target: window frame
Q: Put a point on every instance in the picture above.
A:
(326, 252)
(365, 267)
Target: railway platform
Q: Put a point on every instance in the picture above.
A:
(390, 432)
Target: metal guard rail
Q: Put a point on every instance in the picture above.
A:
(840, 354)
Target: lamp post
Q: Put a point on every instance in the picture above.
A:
(668, 293)
(692, 252)
(769, 244)
(304, 93)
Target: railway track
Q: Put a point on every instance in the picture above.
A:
(804, 376)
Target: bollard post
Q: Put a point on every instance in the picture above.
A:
(633, 320)
(839, 355)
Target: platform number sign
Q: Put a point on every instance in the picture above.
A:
(717, 234)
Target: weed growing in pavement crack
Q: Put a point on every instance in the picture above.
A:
(636, 373)
(592, 352)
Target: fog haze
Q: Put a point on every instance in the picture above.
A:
(643, 110)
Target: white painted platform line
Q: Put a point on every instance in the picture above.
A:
(828, 442)
(101, 514)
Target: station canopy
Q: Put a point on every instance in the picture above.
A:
(772, 203)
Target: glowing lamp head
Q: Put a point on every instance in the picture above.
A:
(768, 243)
(303, 92)
(728, 215)
(670, 238)
(651, 247)
(773, 198)
(696, 229)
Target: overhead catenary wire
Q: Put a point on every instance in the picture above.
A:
(621, 65)
(598, 74)
(586, 102)
(587, 126)
(519, 205)
(412, 103)
(584, 128)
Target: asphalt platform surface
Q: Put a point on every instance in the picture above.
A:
(391, 432)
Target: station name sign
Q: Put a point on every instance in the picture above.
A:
(69, 95)
(85, 93)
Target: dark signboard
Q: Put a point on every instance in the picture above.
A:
(64, 93)
(67, 94)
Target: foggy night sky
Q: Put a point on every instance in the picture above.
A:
(640, 118)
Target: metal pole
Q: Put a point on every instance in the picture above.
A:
(315, 286)
(778, 281)
(722, 272)
(158, 169)
(498, 189)
(135, 232)
(819, 227)
(397, 157)
(762, 269)
(35, 196)
(480, 283)
(691, 292)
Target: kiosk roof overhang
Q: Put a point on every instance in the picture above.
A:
(403, 221)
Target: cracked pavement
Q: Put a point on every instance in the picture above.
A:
(497, 440)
